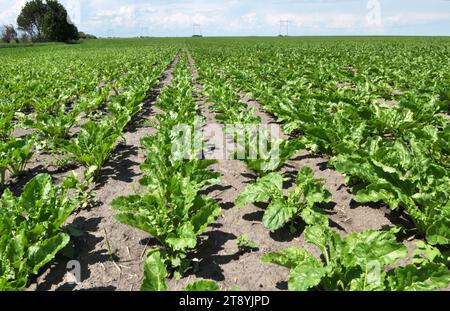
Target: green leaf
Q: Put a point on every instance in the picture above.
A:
(313, 217)
(155, 273)
(291, 257)
(438, 232)
(262, 191)
(277, 214)
(208, 210)
(184, 238)
(371, 245)
(429, 276)
(43, 252)
(304, 277)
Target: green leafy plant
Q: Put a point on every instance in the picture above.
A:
(174, 214)
(94, 143)
(278, 152)
(19, 153)
(6, 125)
(300, 202)
(15, 154)
(360, 262)
(30, 228)
(55, 125)
(381, 173)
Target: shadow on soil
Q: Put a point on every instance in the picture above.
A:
(208, 250)
(87, 255)
(119, 167)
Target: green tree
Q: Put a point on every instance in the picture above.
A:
(46, 21)
(9, 33)
(56, 23)
(31, 19)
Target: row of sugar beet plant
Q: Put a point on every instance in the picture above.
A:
(70, 107)
(382, 123)
(172, 208)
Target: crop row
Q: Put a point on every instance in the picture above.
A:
(171, 209)
(32, 225)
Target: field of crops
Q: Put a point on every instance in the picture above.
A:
(95, 194)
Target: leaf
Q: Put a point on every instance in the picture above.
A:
(202, 286)
(429, 276)
(155, 273)
(371, 245)
(320, 236)
(206, 215)
(277, 214)
(381, 191)
(425, 252)
(314, 217)
(265, 188)
(183, 239)
(304, 277)
(291, 257)
(43, 252)
(438, 232)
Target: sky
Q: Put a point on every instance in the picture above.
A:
(128, 18)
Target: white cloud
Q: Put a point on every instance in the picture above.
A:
(415, 18)
(329, 20)
(9, 11)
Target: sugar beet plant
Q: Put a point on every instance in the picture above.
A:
(361, 262)
(301, 202)
(31, 231)
(172, 209)
(94, 143)
(14, 156)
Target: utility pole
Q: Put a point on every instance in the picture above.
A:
(111, 33)
(284, 27)
(144, 31)
(197, 30)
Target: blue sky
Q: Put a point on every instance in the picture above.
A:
(245, 17)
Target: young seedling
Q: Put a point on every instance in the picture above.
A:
(245, 244)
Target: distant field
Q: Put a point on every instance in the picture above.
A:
(89, 172)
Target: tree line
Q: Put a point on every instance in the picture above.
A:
(41, 21)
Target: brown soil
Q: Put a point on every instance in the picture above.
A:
(390, 103)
